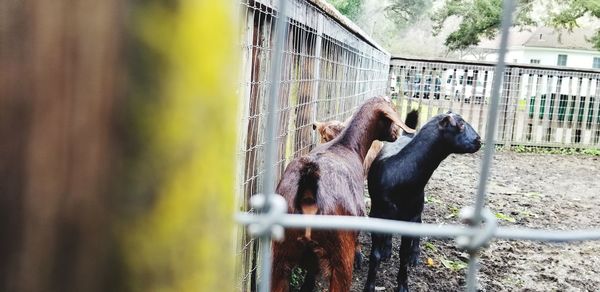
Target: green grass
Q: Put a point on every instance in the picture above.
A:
(453, 212)
(505, 217)
(298, 275)
(551, 150)
(454, 266)
(429, 246)
(432, 200)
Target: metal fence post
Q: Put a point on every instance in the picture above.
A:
(271, 144)
(508, 8)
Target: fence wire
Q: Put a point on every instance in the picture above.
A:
(327, 70)
(328, 67)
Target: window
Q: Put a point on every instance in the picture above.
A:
(562, 60)
(469, 80)
(596, 63)
(534, 61)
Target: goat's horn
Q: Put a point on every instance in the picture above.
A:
(452, 120)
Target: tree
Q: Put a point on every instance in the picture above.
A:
(401, 12)
(481, 18)
(349, 8)
(405, 12)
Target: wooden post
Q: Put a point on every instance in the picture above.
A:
(243, 240)
(58, 145)
(112, 177)
(512, 103)
(536, 109)
(570, 135)
(554, 104)
(504, 96)
(482, 123)
(596, 116)
(584, 124)
(525, 120)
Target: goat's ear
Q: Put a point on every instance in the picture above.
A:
(315, 125)
(390, 114)
(329, 134)
(447, 120)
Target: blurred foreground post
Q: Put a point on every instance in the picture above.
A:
(117, 145)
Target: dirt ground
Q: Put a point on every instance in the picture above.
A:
(529, 190)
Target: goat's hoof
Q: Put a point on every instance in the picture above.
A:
(358, 259)
(369, 288)
(413, 259)
(403, 288)
(386, 254)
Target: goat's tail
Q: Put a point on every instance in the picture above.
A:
(306, 198)
(412, 119)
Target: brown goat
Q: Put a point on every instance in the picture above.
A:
(329, 181)
(328, 130)
(331, 129)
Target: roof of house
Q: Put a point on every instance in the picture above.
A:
(545, 37)
(516, 38)
(563, 39)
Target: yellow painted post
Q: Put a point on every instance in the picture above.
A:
(183, 240)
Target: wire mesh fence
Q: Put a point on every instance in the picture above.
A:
(329, 66)
(539, 106)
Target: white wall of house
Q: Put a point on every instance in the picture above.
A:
(549, 56)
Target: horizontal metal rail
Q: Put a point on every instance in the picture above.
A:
(395, 61)
(419, 229)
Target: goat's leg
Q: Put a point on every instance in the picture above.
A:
(280, 278)
(405, 251)
(385, 210)
(311, 264)
(415, 249)
(341, 276)
(342, 262)
(386, 251)
(358, 258)
(281, 270)
(378, 242)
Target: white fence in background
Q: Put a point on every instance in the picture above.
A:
(539, 106)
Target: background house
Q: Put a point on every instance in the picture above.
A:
(543, 46)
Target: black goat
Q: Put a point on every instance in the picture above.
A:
(397, 179)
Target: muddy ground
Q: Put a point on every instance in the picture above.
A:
(529, 190)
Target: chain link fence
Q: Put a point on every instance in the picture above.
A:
(329, 66)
